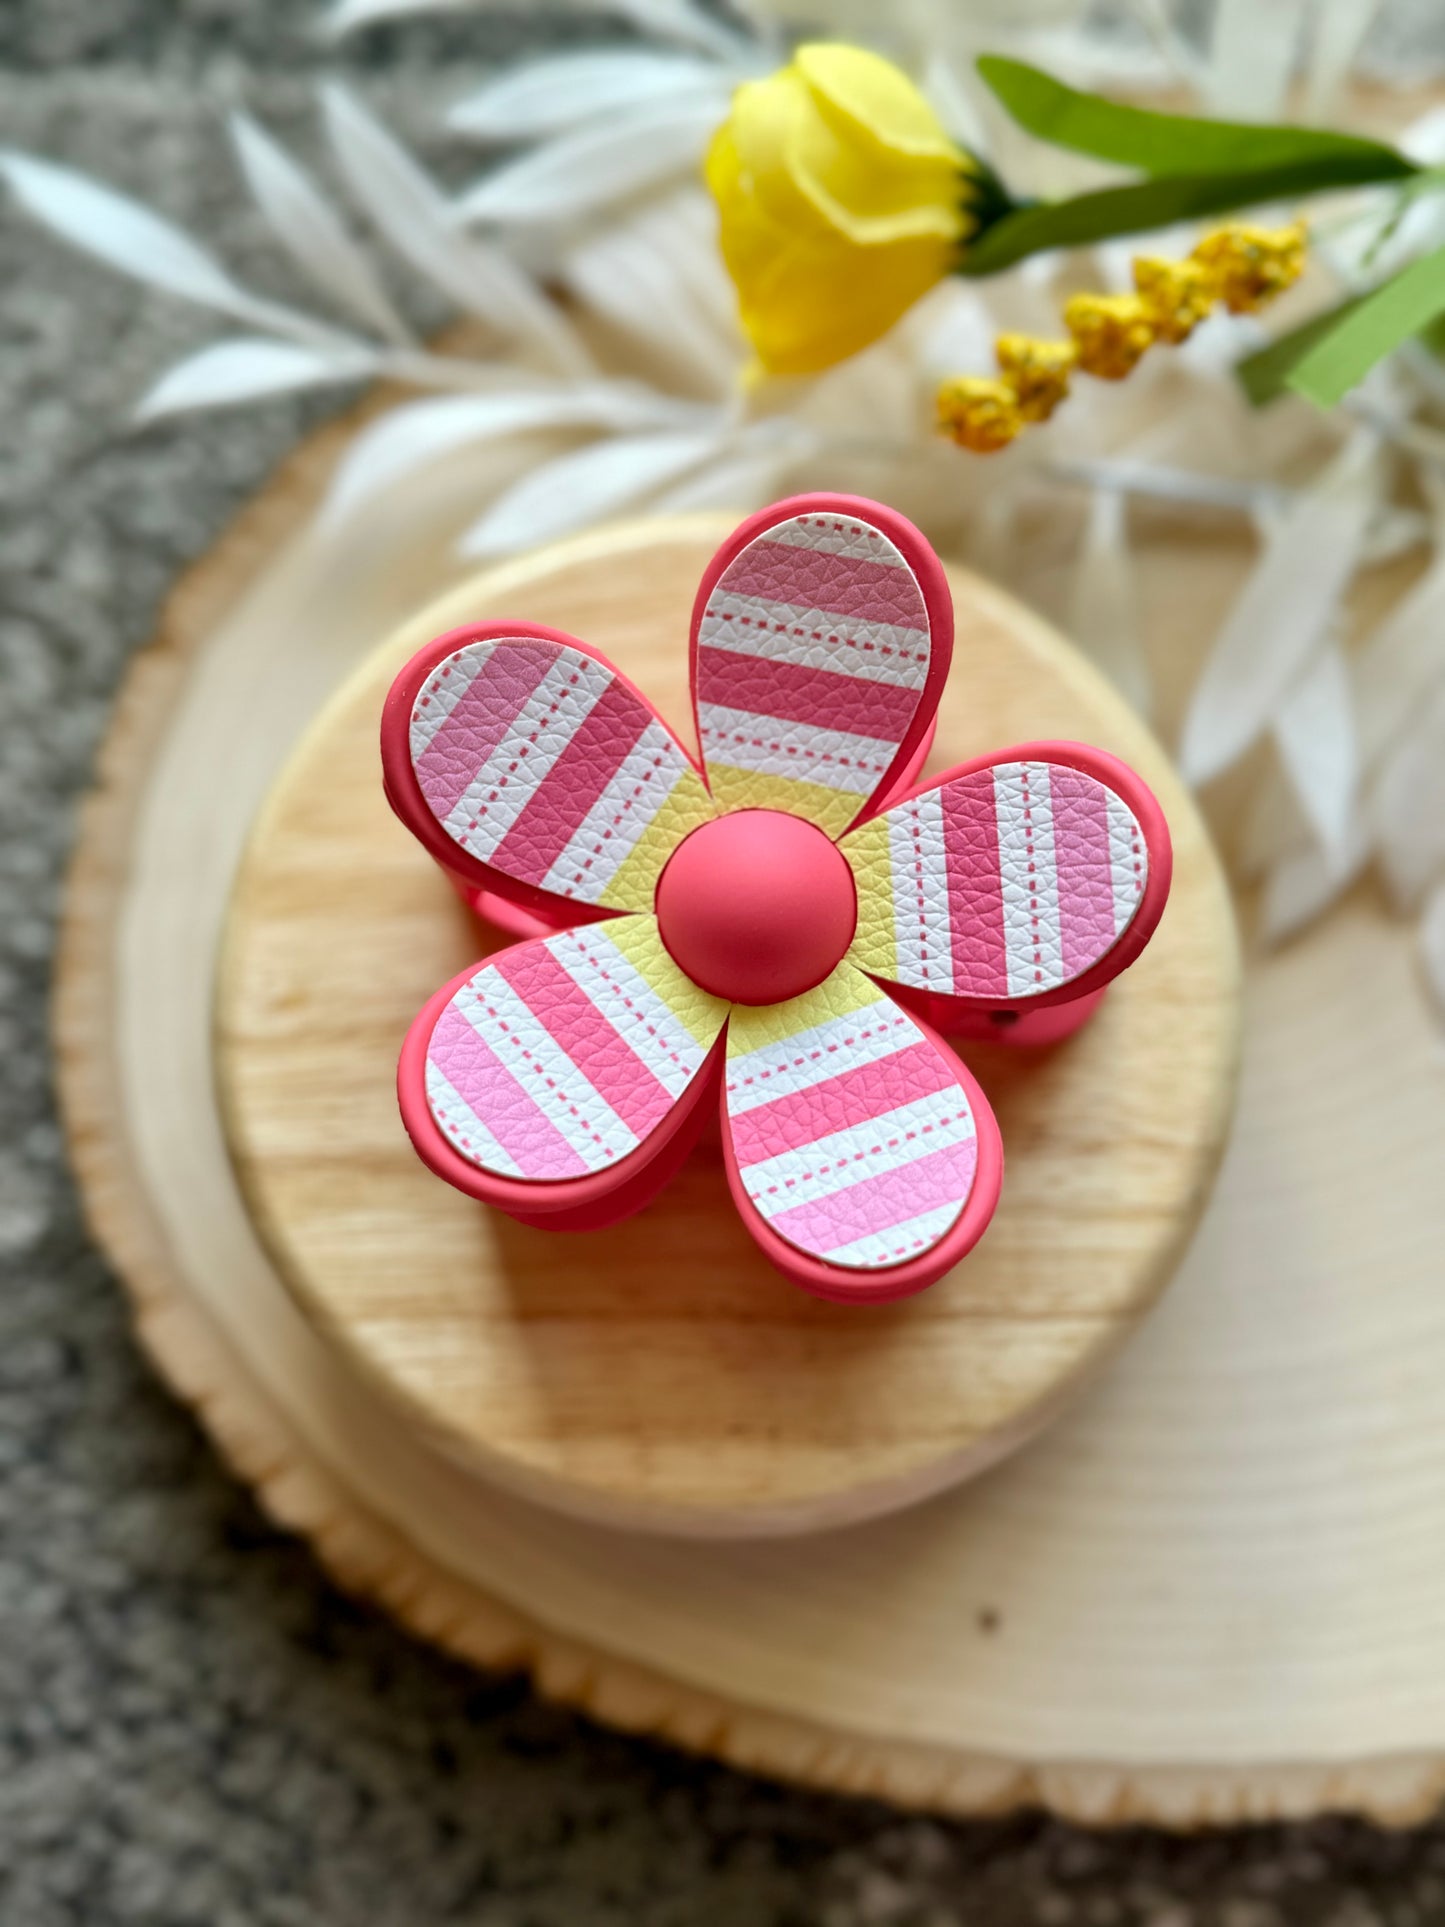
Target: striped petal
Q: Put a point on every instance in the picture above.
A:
(560, 1057)
(1010, 880)
(528, 760)
(855, 1136)
(821, 640)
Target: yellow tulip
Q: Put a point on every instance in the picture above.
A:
(842, 201)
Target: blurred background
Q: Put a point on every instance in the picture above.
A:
(194, 1727)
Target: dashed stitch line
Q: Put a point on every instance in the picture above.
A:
(712, 734)
(535, 1065)
(633, 1011)
(658, 762)
(898, 1022)
(462, 836)
(826, 1170)
(915, 1243)
(1033, 887)
(916, 827)
(839, 640)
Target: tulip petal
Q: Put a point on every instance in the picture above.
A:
(1015, 878)
(830, 229)
(871, 155)
(877, 98)
(856, 1140)
(821, 640)
(557, 1060)
(527, 764)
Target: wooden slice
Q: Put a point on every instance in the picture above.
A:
(1210, 1592)
(661, 1373)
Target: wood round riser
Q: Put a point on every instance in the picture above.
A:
(660, 1374)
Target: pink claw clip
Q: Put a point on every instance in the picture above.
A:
(789, 925)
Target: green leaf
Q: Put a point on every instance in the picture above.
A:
(1159, 144)
(1138, 208)
(1264, 374)
(1401, 307)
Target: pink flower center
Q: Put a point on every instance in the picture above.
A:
(757, 906)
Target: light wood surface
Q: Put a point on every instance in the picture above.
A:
(1212, 1591)
(661, 1374)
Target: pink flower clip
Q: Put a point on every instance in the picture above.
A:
(788, 925)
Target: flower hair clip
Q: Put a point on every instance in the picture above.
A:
(789, 926)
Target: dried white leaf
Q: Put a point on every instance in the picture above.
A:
(1407, 809)
(1303, 884)
(415, 217)
(347, 15)
(1103, 606)
(1338, 32)
(246, 368)
(947, 92)
(119, 231)
(1314, 732)
(408, 438)
(679, 21)
(1252, 56)
(1272, 827)
(672, 20)
(138, 242)
(747, 476)
(1400, 663)
(548, 96)
(311, 231)
(1282, 615)
(1177, 53)
(744, 483)
(582, 171)
(656, 275)
(585, 486)
(1432, 946)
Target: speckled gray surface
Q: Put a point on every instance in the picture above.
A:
(194, 1727)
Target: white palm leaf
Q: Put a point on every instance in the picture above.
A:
(547, 97)
(311, 231)
(1281, 618)
(414, 216)
(1432, 946)
(676, 21)
(1252, 56)
(248, 368)
(1318, 746)
(142, 244)
(587, 486)
(655, 276)
(597, 165)
(411, 437)
(1408, 809)
(1400, 664)
(1103, 602)
(1304, 883)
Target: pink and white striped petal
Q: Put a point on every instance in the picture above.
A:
(850, 1131)
(540, 762)
(560, 1057)
(821, 638)
(1005, 883)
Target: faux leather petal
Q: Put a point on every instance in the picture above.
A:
(540, 763)
(852, 1132)
(1003, 883)
(820, 641)
(559, 1057)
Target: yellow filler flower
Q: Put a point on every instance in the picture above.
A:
(842, 201)
(1241, 266)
